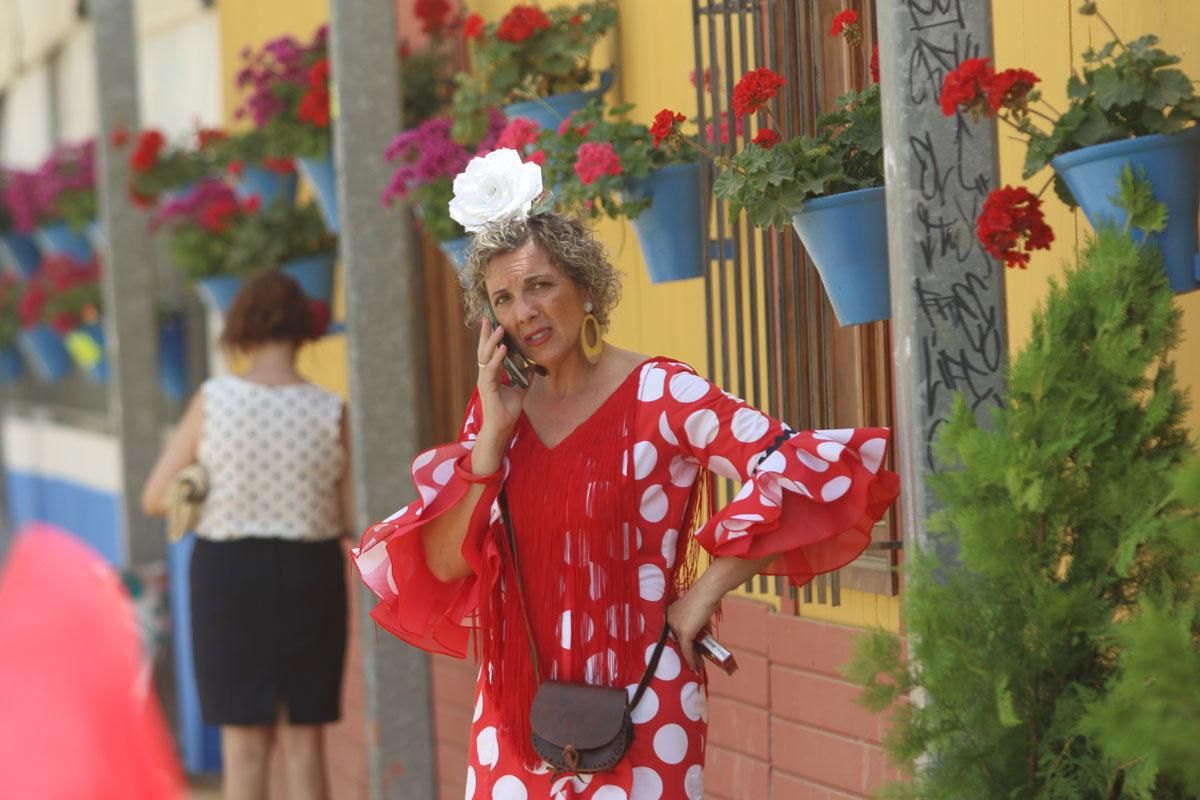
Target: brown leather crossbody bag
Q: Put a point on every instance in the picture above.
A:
(576, 727)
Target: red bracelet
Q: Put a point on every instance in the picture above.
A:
(462, 467)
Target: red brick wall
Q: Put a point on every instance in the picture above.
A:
(784, 727)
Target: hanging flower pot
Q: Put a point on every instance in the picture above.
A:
(44, 351)
(217, 291)
(267, 184)
(846, 236)
(456, 250)
(1172, 165)
(172, 357)
(321, 174)
(669, 230)
(61, 239)
(314, 274)
(19, 253)
(12, 366)
(549, 112)
(86, 346)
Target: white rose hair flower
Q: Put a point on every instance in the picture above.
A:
(494, 187)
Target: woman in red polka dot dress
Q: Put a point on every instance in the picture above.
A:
(603, 461)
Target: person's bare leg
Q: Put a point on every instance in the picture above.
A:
(304, 761)
(246, 751)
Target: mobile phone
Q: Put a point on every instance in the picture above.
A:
(714, 651)
(519, 368)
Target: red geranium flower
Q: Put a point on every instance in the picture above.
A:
(314, 108)
(875, 64)
(518, 133)
(568, 124)
(738, 129)
(145, 153)
(842, 21)
(766, 138)
(473, 26)
(538, 157)
(521, 23)
(594, 160)
(215, 215)
(966, 87)
(1009, 216)
(252, 204)
(1010, 89)
(755, 90)
(318, 74)
(432, 14)
(208, 136)
(666, 125)
(576, 20)
(236, 168)
(281, 166)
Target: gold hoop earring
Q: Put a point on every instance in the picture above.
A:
(589, 336)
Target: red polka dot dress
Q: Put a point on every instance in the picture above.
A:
(602, 524)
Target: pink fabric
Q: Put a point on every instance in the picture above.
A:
(80, 717)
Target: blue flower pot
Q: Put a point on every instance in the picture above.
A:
(267, 184)
(669, 230)
(12, 366)
(1172, 164)
(217, 291)
(549, 112)
(456, 250)
(86, 346)
(19, 254)
(321, 174)
(314, 274)
(846, 236)
(172, 358)
(44, 352)
(61, 239)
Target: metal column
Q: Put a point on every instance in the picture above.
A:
(388, 366)
(948, 314)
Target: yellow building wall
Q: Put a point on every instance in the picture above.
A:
(1049, 37)
(251, 24)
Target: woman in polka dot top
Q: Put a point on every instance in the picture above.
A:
(605, 462)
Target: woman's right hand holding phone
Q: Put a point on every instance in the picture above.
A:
(501, 403)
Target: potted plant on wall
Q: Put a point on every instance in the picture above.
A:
(218, 239)
(534, 64)
(286, 95)
(604, 164)
(72, 309)
(828, 185)
(12, 367)
(428, 159)
(159, 168)
(18, 251)
(252, 171)
(1129, 105)
(65, 197)
(40, 338)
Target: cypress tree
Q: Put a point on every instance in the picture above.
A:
(1057, 656)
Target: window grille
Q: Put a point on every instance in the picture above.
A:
(772, 335)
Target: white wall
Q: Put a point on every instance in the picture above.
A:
(27, 135)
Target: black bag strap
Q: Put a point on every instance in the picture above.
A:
(651, 667)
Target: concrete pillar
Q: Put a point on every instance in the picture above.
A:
(388, 368)
(130, 292)
(948, 314)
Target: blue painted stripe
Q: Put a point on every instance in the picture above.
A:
(91, 514)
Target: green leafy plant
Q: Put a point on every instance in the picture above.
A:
(771, 179)
(1125, 90)
(595, 156)
(527, 54)
(1063, 565)
(10, 324)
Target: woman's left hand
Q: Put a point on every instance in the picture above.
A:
(689, 616)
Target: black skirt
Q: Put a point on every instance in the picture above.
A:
(268, 630)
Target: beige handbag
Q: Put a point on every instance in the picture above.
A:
(185, 500)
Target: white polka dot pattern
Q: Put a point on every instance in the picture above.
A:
(683, 424)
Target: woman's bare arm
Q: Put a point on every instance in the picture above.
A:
(180, 452)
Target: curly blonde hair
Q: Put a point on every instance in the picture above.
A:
(571, 246)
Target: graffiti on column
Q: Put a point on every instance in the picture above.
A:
(961, 330)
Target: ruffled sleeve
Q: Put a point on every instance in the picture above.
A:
(810, 498)
(413, 605)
